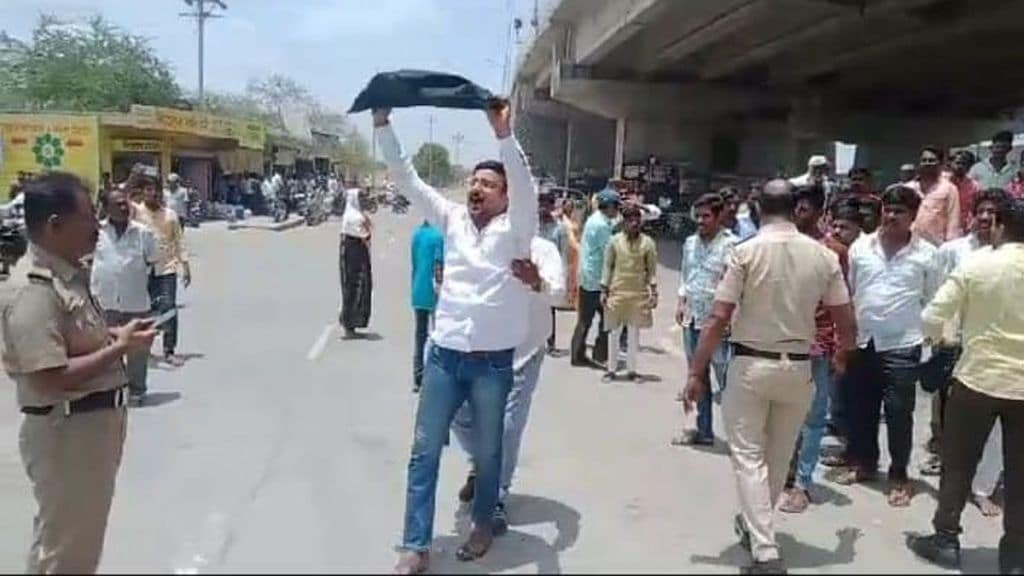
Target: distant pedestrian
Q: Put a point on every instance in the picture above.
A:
(354, 266)
(987, 390)
(125, 252)
(597, 232)
(172, 258)
(629, 288)
(773, 284)
(996, 171)
(967, 187)
(177, 196)
(572, 252)
(66, 365)
(705, 255)
(938, 219)
(427, 274)
(552, 230)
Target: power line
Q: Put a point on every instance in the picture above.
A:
(201, 15)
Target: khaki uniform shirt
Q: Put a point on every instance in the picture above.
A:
(47, 317)
(776, 279)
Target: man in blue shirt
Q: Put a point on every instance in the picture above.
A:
(427, 271)
(597, 232)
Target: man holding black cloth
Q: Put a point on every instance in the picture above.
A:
(481, 317)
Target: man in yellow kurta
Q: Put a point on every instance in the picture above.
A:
(629, 288)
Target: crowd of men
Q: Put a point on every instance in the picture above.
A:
(809, 303)
(817, 307)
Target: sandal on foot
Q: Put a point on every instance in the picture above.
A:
(989, 509)
(900, 495)
(412, 563)
(476, 547)
(795, 501)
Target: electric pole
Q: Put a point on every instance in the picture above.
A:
(457, 141)
(430, 149)
(201, 14)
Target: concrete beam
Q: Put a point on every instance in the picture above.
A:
(611, 24)
(691, 101)
(731, 18)
(1007, 18)
(808, 32)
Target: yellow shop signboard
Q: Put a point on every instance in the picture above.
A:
(35, 143)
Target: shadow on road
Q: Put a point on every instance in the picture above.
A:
(368, 336)
(517, 548)
(795, 554)
(155, 399)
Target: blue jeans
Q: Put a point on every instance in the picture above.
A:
(517, 411)
(720, 364)
(424, 318)
(163, 292)
(809, 446)
(449, 379)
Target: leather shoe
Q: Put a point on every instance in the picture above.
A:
(937, 548)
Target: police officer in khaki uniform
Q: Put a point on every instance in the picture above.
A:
(70, 377)
(773, 282)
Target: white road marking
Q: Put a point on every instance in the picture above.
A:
(320, 344)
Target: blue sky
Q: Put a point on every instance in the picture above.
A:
(331, 46)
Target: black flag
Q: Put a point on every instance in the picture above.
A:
(407, 88)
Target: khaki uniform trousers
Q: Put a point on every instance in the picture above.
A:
(72, 463)
(764, 405)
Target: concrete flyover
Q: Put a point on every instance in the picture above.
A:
(752, 87)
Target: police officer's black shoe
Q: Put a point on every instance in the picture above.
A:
(938, 549)
(468, 489)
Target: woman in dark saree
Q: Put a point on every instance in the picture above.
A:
(354, 266)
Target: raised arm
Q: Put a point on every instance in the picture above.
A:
(522, 193)
(434, 206)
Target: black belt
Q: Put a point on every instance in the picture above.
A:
(741, 350)
(94, 402)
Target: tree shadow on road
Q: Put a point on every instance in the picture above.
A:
(795, 554)
(516, 548)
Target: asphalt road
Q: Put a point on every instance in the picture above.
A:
(280, 447)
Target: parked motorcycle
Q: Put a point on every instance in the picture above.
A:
(13, 239)
(399, 204)
(317, 206)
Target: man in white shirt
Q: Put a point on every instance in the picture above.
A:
(892, 277)
(817, 173)
(124, 253)
(176, 197)
(947, 351)
(996, 171)
(482, 316)
(545, 276)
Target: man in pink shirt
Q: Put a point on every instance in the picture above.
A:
(968, 188)
(938, 219)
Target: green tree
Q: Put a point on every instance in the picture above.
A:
(93, 66)
(433, 163)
